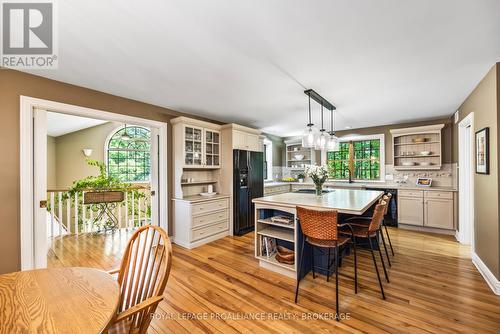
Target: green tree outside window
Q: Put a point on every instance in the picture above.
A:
(365, 159)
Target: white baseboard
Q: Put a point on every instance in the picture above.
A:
(488, 276)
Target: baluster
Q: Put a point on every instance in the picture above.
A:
(91, 217)
(126, 210)
(76, 213)
(139, 209)
(52, 204)
(84, 218)
(68, 214)
(133, 210)
(60, 210)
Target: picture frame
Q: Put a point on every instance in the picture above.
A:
(482, 143)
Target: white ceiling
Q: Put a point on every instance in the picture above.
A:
(379, 62)
(60, 124)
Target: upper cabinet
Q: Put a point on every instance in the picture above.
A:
(201, 147)
(297, 157)
(417, 148)
(244, 138)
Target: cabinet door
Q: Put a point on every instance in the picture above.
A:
(193, 146)
(252, 142)
(212, 148)
(439, 213)
(411, 211)
(239, 140)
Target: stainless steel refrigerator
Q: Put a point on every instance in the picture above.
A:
(248, 183)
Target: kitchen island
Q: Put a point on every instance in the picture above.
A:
(345, 201)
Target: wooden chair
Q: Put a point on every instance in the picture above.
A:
(142, 277)
(370, 232)
(320, 229)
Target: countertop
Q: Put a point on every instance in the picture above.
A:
(199, 198)
(352, 201)
(362, 185)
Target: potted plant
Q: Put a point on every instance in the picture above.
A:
(301, 177)
(318, 174)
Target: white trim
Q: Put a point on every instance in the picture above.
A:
(488, 276)
(380, 137)
(27, 105)
(269, 158)
(466, 223)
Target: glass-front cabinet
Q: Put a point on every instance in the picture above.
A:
(201, 147)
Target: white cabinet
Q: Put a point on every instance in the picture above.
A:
(201, 147)
(246, 141)
(410, 211)
(433, 209)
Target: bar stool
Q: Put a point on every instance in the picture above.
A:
(365, 221)
(370, 232)
(320, 229)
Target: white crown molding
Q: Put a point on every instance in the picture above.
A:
(418, 129)
(488, 276)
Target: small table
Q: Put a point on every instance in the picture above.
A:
(58, 300)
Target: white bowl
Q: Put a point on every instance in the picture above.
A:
(298, 156)
(425, 163)
(425, 152)
(408, 163)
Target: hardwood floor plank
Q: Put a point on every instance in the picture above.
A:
(220, 288)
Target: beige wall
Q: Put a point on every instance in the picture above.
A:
(484, 102)
(13, 84)
(71, 164)
(51, 163)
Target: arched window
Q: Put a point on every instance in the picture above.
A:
(129, 154)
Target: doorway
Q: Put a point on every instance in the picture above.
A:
(466, 162)
(49, 214)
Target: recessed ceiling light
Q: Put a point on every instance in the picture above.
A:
(348, 127)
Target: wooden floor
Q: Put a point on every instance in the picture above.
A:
(219, 288)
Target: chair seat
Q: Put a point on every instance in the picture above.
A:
(124, 326)
(358, 231)
(328, 243)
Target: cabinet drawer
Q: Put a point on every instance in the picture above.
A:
(209, 230)
(209, 206)
(210, 218)
(411, 193)
(439, 194)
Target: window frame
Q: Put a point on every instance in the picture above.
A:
(267, 146)
(348, 138)
(106, 149)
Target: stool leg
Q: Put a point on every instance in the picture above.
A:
(388, 237)
(299, 270)
(336, 280)
(385, 247)
(328, 267)
(381, 258)
(355, 267)
(376, 268)
(312, 252)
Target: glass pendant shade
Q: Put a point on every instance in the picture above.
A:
(321, 141)
(333, 143)
(309, 137)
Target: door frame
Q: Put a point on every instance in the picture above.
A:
(29, 247)
(465, 233)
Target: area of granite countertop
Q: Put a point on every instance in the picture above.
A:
(376, 185)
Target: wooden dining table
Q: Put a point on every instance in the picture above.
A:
(57, 300)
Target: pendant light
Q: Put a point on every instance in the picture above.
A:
(322, 138)
(310, 133)
(125, 135)
(333, 141)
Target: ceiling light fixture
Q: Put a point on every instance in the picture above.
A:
(311, 138)
(310, 133)
(333, 141)
(125, 135)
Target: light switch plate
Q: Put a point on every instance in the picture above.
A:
(389, 177)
